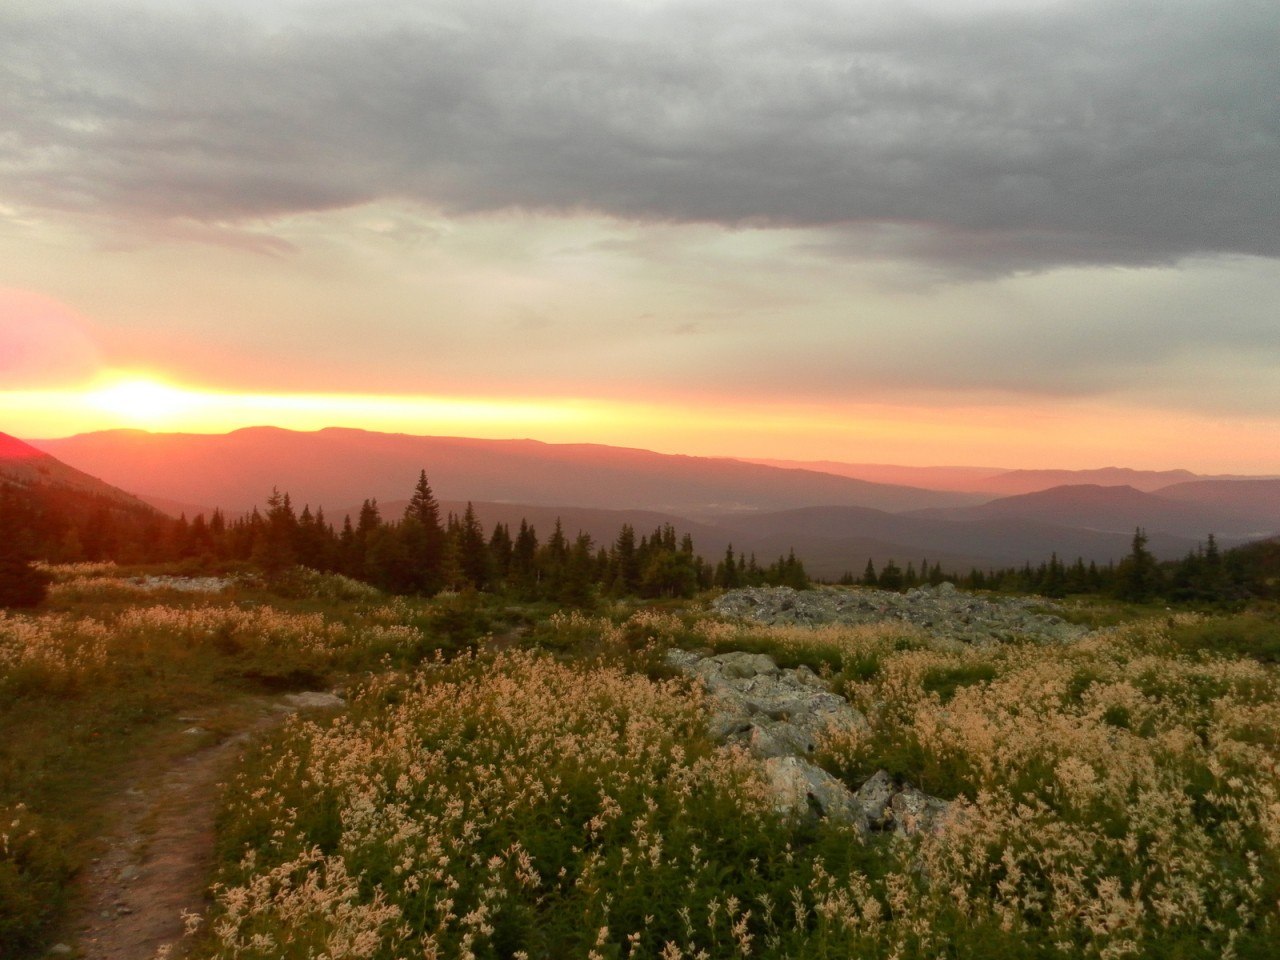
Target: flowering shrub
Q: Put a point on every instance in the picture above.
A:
(62, 572)
(488, 808)
(79, 691)
(1112, 798)
(63, 652)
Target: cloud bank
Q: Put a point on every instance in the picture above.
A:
(976, 136)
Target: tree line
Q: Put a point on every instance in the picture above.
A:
(419, 552)
(1205, 575)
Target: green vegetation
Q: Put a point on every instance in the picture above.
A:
(418, 554)
(104, 673)
(1206, 578)
(513, 776)
(1114, 797)
(1253, 634)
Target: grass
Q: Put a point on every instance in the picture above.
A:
(518, 781)
(100, 678)
(1253, 634)
(564, 806)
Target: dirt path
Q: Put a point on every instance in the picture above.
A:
(156, 862)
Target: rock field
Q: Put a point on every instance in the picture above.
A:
(183, 584)
(778, 715)
(942, 609)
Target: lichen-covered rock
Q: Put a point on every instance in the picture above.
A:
(874, 797)
(801, 789)
(942, 610)
(780, 715)
(914, 811)
(772, 711)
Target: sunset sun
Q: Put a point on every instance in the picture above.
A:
(143, 402)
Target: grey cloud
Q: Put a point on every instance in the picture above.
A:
(1118, 132)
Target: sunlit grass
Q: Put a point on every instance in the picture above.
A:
(1114, 797)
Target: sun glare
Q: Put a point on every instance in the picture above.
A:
(143, 402)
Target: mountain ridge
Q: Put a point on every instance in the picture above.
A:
(344, 465)
(1120, 509)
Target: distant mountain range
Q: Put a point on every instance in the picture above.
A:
(835, 522)
(1002, 481)
(1120, 509)
(341, 466)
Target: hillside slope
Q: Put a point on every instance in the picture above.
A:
(1119, 509)
(339, 466)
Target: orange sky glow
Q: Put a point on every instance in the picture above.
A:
(1025, 436)
(824, 240)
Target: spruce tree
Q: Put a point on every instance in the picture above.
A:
(500, 551)
(524, 560)
(422, 539)
(727, 571)
(1137, 576)
(473, 551)
(627, 561)
(891, 576)
(869, 578)
(274, 549)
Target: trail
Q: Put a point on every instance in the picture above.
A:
(157, 858)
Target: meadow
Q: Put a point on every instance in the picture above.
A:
(523, 782)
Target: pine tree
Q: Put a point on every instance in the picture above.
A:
(473, 551)
(274, 549)
(869, 578)
(1137, 576)
(627, 561)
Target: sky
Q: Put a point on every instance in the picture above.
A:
(1000, 232)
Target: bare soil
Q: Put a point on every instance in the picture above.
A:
(154, 864)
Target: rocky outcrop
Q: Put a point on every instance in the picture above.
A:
(772, 711)
(799, 787)
(183, 584)
(779, 714)
(943, 610)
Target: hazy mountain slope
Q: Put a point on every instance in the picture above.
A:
(1253, 497)
(1115, 509)
(990, 541)
(23, 465)
(1030, 481)
(961, 480)
(343, 466)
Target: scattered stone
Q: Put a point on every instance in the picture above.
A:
(184, 584)
(774, 712)
(942, 610)
(779, 715)
(313, 700)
